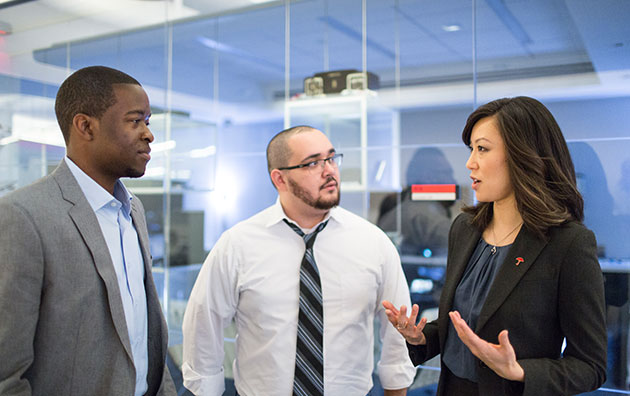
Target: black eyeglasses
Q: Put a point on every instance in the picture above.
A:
(334, 161)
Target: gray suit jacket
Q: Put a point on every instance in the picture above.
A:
(545, 290)
(62, 326)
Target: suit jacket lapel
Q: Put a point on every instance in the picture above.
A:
(86, 222)
(520, 257)
(465, 240)
(139, 223)
(157, 332)
(153, 301)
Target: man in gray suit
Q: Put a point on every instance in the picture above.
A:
(79, 311)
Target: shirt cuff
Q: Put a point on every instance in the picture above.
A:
(396, 376)
(203, 385)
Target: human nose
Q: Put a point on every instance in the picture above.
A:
(471, 163)
(148, 135)
(328, 166)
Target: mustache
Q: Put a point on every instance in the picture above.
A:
(328, 180)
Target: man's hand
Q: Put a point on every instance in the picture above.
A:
(406, 325)
(500, 358)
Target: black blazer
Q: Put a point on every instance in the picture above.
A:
(545, 290)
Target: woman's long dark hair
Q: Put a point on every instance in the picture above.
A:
(540, 166)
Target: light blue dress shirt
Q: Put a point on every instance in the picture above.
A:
(114, 217)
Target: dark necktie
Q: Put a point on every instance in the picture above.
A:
(309, 359)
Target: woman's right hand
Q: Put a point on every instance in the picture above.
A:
(405, 325)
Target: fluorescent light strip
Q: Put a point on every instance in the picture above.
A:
(9, 140)
(163, 146)
(203, 152)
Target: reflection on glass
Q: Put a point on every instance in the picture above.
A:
(425, 224)
(229, 72)
(611, 232)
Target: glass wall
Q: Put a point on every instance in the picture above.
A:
(222, 84)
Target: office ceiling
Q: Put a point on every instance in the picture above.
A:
(558, 44)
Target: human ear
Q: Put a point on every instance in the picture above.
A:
(278, 180)
(83, 126)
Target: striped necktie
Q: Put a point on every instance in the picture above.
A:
(309, 359)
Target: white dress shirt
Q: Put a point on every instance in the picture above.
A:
(114, 217)
(252, 275)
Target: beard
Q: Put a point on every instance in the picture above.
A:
(317, 203)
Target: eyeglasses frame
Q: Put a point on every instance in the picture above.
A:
(307, 165)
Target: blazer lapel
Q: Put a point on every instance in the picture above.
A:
(154, 308)
(526, 248)
(466, 238)
(157, 332)
(139, 221)
(86, 222)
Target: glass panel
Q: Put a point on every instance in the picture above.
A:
(340, 118)
(602, 173)
(598, 139)
(326, 35)
(382, 41)
(251, 64)
(419, 228)
(218, 90)
(436, 54)
(196, 95)
(571, 55)
(30, 142)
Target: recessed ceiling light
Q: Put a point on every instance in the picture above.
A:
(451, 28)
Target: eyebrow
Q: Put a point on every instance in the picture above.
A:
(313, 156)
(481, 138)
(140, 112)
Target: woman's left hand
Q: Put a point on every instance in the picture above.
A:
(500, 358)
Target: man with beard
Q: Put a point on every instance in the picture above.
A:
(304, 309)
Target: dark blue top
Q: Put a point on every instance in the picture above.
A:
(470, 296)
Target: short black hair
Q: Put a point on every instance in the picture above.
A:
(88, 91)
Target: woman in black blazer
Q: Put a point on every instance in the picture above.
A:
(522, 273)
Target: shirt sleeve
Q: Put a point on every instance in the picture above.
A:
(210, 309)
(395, 369)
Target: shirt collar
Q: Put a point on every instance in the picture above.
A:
(277, 214)
(123, 195)
(96, 195)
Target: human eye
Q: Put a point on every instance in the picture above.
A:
(481, 149)
(139, 119)
(312, 164)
